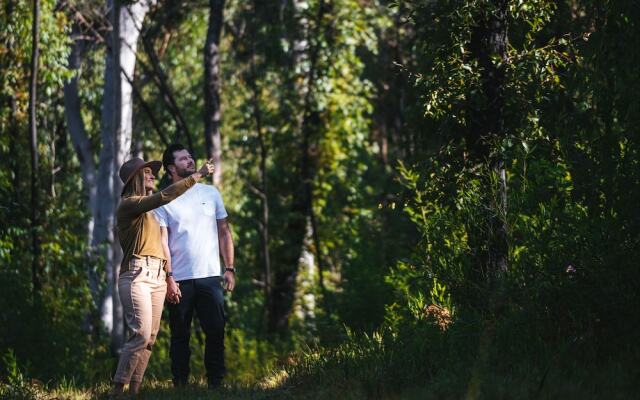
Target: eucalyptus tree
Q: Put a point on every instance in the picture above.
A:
(117, 118)
(212, 81)
(36, 264)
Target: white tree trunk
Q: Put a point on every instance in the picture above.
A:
(103, 228)
(212, 81)
(304, 306)
(84, 152)
(117, 120)
(131, 19)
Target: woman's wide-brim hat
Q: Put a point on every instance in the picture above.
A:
(129, 169)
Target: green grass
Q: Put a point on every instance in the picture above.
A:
(614, 380)
(418, 364)
(152, 389)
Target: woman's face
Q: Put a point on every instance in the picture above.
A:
(149, 179)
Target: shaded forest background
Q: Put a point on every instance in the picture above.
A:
(428, 198)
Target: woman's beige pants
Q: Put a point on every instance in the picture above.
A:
(142, 292)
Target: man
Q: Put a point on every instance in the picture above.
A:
(195, 229)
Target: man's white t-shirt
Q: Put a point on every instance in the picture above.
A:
(193, 232)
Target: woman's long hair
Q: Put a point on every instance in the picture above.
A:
(135, 187)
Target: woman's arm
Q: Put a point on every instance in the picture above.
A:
(137, 205)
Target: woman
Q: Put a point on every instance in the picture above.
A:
(142, 283)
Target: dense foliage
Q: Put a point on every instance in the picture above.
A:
(378, 158)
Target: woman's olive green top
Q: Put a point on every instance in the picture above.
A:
(138, 229)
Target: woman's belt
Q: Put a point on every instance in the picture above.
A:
(147, 262)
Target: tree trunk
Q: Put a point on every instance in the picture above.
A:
(36, 264)
(302, 223)
(494, 86)
(264, 187)
(103, 228)
(490, 40)
(305, 304)
(212, 112)
(310, 126)
(85, 153)
(285, 275)
(116, 146)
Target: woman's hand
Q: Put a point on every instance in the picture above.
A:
(173, 291)
(207, 168)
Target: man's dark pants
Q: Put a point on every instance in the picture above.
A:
(206, 297)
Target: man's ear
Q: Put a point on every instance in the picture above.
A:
(171, 169)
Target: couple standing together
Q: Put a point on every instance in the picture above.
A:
(172, 241)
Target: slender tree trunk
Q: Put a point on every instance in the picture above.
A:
(263, 191)
(302, 224)
(14, 143)
(490, 41)
(116, 147)
(264, 187)
(494, 86)
(285, 275)
(310, 125)
(268, 285)
(212, 112)
(103, 230)
(130, 23)
(36, 264)
(85, 153)
(58, 137)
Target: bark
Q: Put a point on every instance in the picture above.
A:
(85, 153)
(58, 137)
(103, 228)
(130, 23)
(116, 146)
(14, 144)
(490, 40)
(304, 57)
(305, 303)
(285, 275)
(98, 36)
(212, 112)
(263, 192)
(494, 86)
(36, 263)
(310, 126)
(100, 211)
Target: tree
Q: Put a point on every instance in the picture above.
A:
(212, 80)
(116, 146)
(85, 152)
(489, 43)
(36, 265)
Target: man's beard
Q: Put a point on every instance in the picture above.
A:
(185, 172)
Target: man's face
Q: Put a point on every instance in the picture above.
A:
(184, 164)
